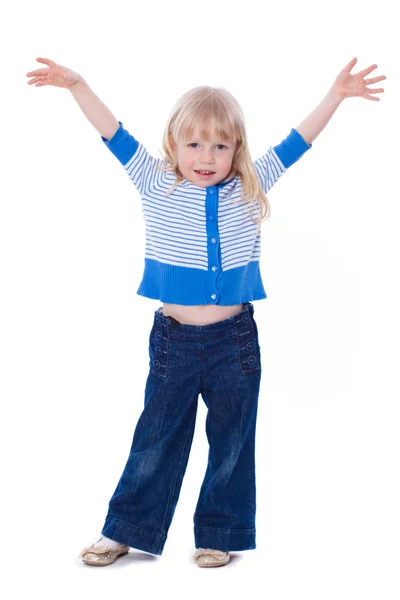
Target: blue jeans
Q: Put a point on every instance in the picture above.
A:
(222, 362)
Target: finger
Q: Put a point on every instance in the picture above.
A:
(375, 79)
(37, 72)
(367, 70)
(350, 65)
(35, 79)
(375, 91)
(37, 82)
(47, 61)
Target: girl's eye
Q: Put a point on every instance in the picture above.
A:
(195, 144)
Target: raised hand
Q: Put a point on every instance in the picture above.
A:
(347, 85)
(55, 74)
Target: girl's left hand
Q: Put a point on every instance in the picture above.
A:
(347, 85)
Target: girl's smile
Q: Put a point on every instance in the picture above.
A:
(205, 175)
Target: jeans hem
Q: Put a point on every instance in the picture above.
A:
(226, 540)
(135, 537)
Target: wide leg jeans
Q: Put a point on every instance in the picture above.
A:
(222, 362)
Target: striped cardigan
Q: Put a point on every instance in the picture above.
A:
(201, 245)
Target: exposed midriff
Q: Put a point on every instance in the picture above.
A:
(200, 315)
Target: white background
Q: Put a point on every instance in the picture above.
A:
(74, 333)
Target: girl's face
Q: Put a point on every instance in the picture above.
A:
(195, 154)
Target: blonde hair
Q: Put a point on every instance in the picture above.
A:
(214, 109)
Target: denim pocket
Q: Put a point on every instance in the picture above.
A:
(158, 351)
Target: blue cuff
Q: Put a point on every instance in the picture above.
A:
(292, 148)
(122, 144)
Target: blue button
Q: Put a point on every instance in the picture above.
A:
(212, 191)
(211, 217)
(213, 296)
(213, 241)
(214, 268)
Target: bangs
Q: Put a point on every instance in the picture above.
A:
(210, 120)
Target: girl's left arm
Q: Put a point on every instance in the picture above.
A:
(344, 86)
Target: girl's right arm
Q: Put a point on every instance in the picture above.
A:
(92, 107)
(137, 162)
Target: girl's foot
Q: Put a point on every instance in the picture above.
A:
(103, 552)
(206, 557)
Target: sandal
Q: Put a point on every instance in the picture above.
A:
(102, 555)
(206, 557)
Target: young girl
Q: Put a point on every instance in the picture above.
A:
(203, 207)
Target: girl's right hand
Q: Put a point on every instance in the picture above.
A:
(56, 75)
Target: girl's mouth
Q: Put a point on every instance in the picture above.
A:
(205, 175)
